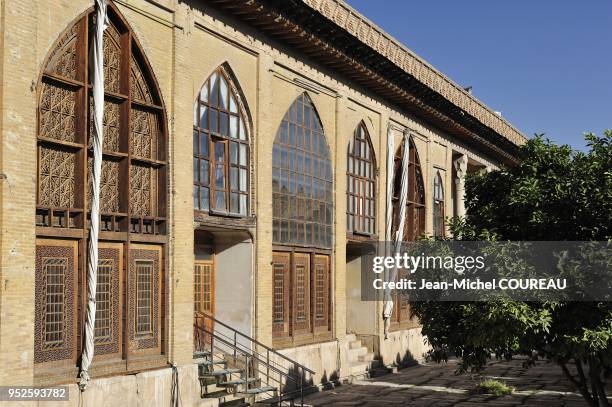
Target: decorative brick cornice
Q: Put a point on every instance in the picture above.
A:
(368, 33)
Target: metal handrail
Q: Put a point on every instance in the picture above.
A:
(267, 348)
(254, 356)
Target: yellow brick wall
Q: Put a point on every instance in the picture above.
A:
(184, 45)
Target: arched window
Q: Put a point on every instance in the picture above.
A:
(414, 224)
(361, 183)
(133, 195)
(302, 179)
(220, 148)
(302, 187)
(438, 206)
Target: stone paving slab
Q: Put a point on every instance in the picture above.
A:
(437, 385)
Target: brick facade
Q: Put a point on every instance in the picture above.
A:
(184, 43)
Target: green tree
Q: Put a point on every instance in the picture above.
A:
(553, 194)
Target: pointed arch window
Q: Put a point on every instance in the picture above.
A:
(414, 225)
(302, 185)
(220, 148)
(438, 206)
(302, 179)
(133, 192)
(361, 183)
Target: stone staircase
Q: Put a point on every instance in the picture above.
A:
(361, 362)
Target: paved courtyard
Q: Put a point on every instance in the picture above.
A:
(437, 385)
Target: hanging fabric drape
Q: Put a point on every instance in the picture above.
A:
(96, 64)
(388, 300)
(399, 235)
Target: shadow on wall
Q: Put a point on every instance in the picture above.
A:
(296, 377)
(406, 360)
(330, 382)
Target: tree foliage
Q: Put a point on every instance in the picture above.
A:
(554, 194)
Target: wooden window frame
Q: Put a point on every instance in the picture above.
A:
(302, 179)
(215, 136)
(290, 332)
(136, 139)
(414, 226)
(362, 158)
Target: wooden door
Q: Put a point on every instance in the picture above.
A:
(204, 293)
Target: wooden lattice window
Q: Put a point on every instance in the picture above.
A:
(361, 183)
(104, 301)
(281, 291)
(414, 225)
(144, 297)
(220, 147)
(438, 206)
(132, 190)
(54, 274)
(302, 179)
(321, 292)
(301, 296)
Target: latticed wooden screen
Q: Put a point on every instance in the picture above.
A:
(302, 179)
(134, 136)
(414, 225)
(132, 200)
(301, 294)
(144, 298)
(55, 283)
(281, 291)
(220, 147)
(321, 292)
(361, 183)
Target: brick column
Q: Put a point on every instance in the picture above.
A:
(19, 66)
(181, 195)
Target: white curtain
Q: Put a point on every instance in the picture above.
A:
(399, 236)
(96, 65)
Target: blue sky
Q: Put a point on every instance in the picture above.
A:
(545, 64)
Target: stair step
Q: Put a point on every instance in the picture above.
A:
(234, 403)
(237, 382)
(212, 362)
(220, 372)
(258, 390)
